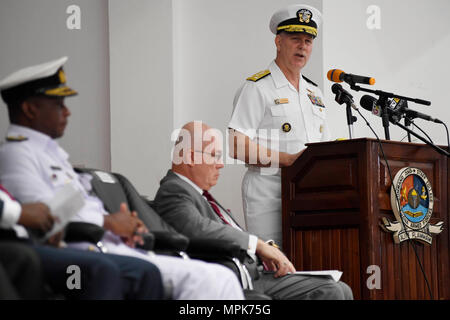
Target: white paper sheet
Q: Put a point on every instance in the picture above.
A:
(64, 205)
(332, 274)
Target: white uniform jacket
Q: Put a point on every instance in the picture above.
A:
(269, 110)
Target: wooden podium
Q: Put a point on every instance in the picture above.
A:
(334, 197)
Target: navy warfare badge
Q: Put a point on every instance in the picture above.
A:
(304, 15)
(286, 127)
(412, 202)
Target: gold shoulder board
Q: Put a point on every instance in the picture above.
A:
(16, 139)
(259, 75)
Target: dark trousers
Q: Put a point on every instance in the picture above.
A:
(103, 276)
(24, 268)
(20, 272)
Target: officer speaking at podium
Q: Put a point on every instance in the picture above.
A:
(276, 112)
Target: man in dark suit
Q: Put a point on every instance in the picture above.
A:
(184, 202)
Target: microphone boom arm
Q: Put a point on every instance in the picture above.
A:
(435, 147)
(389, 95)
(383, 99)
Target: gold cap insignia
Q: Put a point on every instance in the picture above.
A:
(304, 15)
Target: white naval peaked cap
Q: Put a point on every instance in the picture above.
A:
(296, 18)
(47, 79)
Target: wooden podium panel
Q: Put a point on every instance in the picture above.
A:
(334, 197)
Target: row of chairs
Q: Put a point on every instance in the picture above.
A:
(162, 238)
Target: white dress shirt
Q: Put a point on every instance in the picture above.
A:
(10, 214)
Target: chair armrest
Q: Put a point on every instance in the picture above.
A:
(169, 241)
(149, 242)
(88, 232)
(83, 232)
(207, 249)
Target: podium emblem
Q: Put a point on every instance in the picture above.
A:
(412, 202)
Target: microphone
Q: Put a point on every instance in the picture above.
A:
(336, 75)
(342, 95)
(396, 109)
(416, 114)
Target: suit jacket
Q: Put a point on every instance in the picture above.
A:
(189, 213)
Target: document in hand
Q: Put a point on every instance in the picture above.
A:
(332, 274)
(64, 205)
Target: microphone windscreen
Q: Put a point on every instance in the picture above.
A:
(367, 102)
(336, 88)
(335, 75)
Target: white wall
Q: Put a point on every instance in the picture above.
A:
(33, 32)
(408, 56)
(141, 90)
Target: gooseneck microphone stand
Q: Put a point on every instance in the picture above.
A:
(385, 115)
(341, 98)
(408, 123)
(350, 119)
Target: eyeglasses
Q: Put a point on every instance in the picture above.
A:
(217, 155)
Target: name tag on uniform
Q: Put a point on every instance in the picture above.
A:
(282, 101)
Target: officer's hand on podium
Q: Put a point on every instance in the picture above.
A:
(288, 159)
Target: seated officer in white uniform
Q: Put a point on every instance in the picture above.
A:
(28, 264)
(276, 112)
(33, 167)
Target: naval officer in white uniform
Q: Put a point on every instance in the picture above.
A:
(276, 112)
